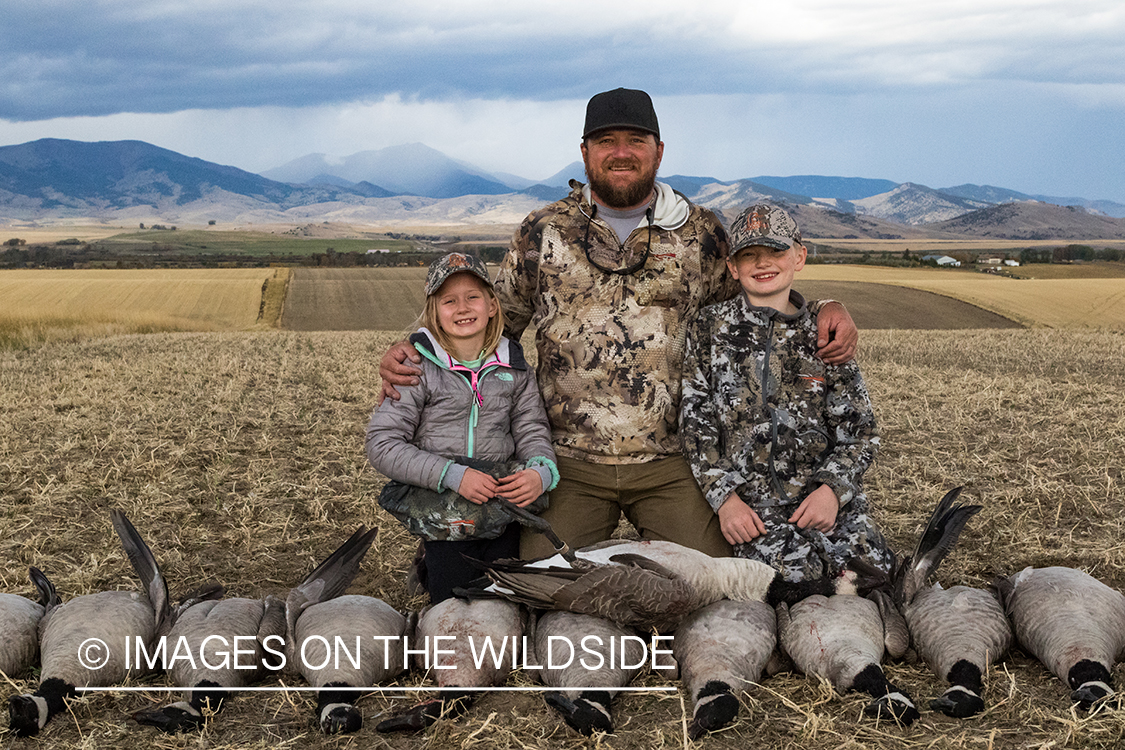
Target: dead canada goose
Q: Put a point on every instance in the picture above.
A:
(316, 609)
(1071, 622)
(361, 623)
(581, 651)
(116, 618)
(211, 630)
(491, 626)
(646, 585)
(720, 650)
(19, 622)
(842, 639)
(957, 631)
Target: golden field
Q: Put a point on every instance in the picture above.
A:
(44, 304)
(1047, 302)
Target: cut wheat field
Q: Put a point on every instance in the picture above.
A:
(42, 305)
(239, 457)
(1051, 302)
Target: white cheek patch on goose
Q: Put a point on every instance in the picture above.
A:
(1098, 684)
(41, 704)
(960, 689)
(601, 709)
(899, 698)
(186, 707)
(329, 708)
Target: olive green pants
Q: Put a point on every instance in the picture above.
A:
(660, 498)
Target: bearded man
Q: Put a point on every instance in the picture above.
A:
(609, 277)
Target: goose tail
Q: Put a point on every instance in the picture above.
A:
(146, 567)
(332, 577)
(938, 539)
(48, 596)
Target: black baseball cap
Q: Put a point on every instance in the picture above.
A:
(621, 108)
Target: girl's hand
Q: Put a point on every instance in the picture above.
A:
(818, 510)
(477, 487)
(521, 489)
(739, 522)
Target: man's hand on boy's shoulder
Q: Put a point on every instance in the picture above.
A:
(396, 368)
(836, 334)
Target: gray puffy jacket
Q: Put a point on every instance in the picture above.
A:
(415, 439)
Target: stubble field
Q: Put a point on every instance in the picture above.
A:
(239, 457)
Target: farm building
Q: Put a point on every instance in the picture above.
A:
(942, 260)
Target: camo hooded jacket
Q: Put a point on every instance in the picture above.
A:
(762, 416)
(611, 345)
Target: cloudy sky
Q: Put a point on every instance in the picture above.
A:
(1027, 95)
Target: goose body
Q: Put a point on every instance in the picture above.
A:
(19, 623)
(117, 618)
(581, 651)
(328, 581)
(456, 628)
(370, 631)
(721, 649)
(210, 631)
(1071, 622)
(842, 639)
(959, 632)
(646, 584)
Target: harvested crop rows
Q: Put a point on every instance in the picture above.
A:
(353, 299)
(390, 299)
(1053, 302)
(239, 457)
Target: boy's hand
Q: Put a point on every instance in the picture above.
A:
(395, 369)
(818, 510)
(738, 521)
(836, 334)
(477, 487)
(521, 489)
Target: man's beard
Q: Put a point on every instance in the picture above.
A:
(628, 196)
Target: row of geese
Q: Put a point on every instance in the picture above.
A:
(732, 622)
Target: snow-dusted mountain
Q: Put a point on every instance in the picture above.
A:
(410, 169)
(415, 184)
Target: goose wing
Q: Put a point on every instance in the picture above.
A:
(635, 595)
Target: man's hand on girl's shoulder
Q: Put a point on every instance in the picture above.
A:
(399, 366)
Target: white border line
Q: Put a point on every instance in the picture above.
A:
(669, 689)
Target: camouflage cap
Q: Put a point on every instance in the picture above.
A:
(762, 224)
(447, 265)
(621, 108)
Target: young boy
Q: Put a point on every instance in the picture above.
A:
(778, 441)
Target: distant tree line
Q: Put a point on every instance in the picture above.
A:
(1069, 254)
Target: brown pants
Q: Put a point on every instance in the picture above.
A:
(660, 498)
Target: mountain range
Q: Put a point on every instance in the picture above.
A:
(415, 184)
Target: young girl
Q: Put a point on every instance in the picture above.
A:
(473, 429)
